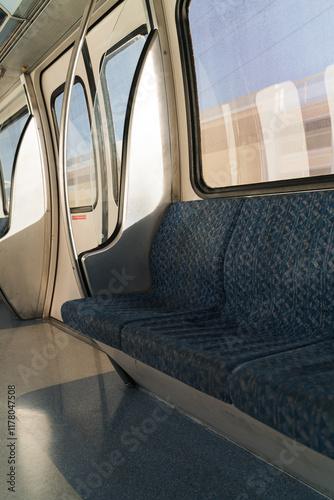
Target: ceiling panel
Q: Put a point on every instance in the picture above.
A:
(41, 34)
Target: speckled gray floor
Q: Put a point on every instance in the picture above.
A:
(35, 355)
(115, 443)
(81, 434)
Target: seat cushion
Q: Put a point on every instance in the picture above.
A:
(293, 392)
(202, 349)
(186, 263)
(102, 318)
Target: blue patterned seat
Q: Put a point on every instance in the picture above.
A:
(293, 392)
(234, 283)
(186, 266)
(279, 285)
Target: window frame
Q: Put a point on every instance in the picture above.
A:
(194, 131)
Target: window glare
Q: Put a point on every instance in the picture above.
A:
(265, 88)
(81, 180)
(119, 71)
(9, 139)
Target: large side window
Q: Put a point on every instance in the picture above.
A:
(10, 133)
(265, 90)
(81, 178)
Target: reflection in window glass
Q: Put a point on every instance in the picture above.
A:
(10, 134)
(81, 179)
(265, 88)
(119, 68)
(3, 16)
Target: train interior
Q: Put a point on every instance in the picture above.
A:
(166, 249)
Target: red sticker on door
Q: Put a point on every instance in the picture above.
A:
(78, 217)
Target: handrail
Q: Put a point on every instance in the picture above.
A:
(63, 133)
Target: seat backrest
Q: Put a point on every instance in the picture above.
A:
(279, 264)
(188, 252)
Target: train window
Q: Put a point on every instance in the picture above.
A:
(265, 90)
(81, 178)
(10, 134)
(118, 69)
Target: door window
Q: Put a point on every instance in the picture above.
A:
(10, 133)
(81, 178)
